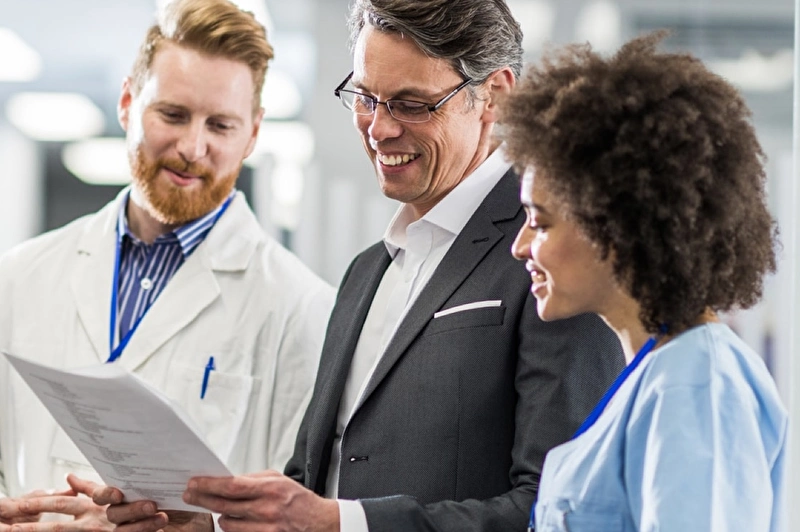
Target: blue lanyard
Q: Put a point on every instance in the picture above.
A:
(117, 352)
(603, 403)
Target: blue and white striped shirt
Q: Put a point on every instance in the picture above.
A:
(144, 270)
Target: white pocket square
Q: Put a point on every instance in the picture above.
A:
(468, 306)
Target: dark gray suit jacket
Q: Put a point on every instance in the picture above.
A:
(457, 418)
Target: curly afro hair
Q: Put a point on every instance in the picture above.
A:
(655, 159)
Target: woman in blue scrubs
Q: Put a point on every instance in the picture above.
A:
(644, 187)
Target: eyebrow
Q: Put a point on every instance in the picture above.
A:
(539, 208)
(403, 93)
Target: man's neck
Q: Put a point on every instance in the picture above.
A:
(141, 223)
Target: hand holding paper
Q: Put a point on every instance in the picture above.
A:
(133, 435)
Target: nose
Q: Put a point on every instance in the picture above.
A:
(521, 248)
(383, 125)
(193, 142)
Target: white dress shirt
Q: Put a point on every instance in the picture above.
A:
(417, 248)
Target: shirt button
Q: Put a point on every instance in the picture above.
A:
(146, 284)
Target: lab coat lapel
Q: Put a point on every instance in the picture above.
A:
(229, 246)
(93, 274)
(191, 289)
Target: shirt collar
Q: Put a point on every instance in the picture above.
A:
(454, 210)
(189, 236)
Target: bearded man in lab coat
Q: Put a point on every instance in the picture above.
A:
(176, 270)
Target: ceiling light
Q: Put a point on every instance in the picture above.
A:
(55, 116)
(18, 61)
(287, 183)
(98, 161)
(536, 18)
(754, 72)
(280, 96)
(600, 24)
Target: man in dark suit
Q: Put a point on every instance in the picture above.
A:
(439, 390)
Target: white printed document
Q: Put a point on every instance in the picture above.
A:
(136, 438)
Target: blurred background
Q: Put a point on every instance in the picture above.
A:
(61, 152)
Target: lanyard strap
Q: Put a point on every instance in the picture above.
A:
(117, 352)
(603, 403)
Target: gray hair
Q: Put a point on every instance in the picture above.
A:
(477, 37)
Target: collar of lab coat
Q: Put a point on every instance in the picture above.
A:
(229, 247)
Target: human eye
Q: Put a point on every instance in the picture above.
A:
(535, 223)
(408, 107)
(220, 125)
(172, 116)
(539, 228)
(362, 101)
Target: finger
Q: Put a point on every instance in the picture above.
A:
(69, 505)
(236, 524)
(153, 523)
(216, 504)
(266, 473)
(5, 524)
(9, 509)
(103, 495)
(26, 519)
(238, 487)
(179, 517)
(38, 493)
(39, 526)
(132, 512)
(45, 526)
(83, 486)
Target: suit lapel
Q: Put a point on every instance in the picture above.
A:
(469, 248)
(477, 239)
(93, 275)
(341, 340)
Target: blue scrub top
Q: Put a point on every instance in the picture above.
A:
(695, 439)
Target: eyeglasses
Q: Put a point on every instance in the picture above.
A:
(402, 110)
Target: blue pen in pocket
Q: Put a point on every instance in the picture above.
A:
(209, 368)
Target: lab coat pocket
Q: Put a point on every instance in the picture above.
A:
(220, 413)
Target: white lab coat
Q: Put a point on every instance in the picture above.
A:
(240, 297)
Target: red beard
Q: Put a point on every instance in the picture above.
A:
(174, 205)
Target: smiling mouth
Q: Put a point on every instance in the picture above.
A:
(397, 160)
(182, 175)
(538, 277)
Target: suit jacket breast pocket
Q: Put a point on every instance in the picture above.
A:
(471, 318)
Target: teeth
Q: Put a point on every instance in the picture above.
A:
(395, 160)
